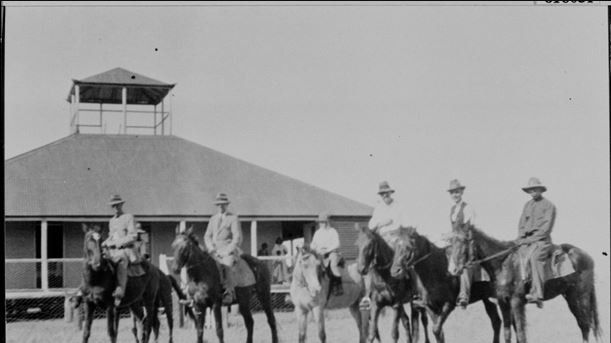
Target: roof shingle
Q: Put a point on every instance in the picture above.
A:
(157, 176)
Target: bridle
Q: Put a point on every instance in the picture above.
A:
(471, 249)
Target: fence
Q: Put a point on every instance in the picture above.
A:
(30, 296)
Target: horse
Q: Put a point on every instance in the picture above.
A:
(437, 288)
(502, 262)
(310, 292)
(204, 286)
(164, 300)
(99, 279)
(375, 257)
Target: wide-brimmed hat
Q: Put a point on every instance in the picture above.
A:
(534, 182)
(385, 188)
(323, 217)
(116, 199)
(455, 185)
(221, 198)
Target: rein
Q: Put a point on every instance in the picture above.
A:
(422, 258)
(491, 257)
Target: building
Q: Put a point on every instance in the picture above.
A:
(169, 183)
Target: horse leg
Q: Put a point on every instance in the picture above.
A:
(519, 318)
(373, 325)
(265, 298)
(217, 309)
(406, 325)
(319, 317)
(111, 314)
(302, 322)
(355, 311)
(138, 313)
(425, 324)
(507, 320)
(134, 330)
(88, 320)
(493, 314)
(200, 318)
(243, 295)
(394, 331)
(168, 309)
(579, 304)
(439, 320)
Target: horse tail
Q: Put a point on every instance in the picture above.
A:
(594, 323)
(177, 288)
(181, 295)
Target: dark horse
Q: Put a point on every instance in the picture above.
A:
(204, 286)
(502, 263)
(375, 257)
(437, 288)
(99, 279)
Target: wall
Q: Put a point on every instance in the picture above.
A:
(73, 248)
(161, 236)
(348, 235)
(20, 242)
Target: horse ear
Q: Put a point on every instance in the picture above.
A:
(97, 228)
(84, 227)
(189, 231)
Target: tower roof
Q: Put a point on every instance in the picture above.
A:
(106, 88)
(157, 176)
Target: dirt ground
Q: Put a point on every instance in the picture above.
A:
(552, 324)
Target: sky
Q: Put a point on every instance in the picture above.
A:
(343, 97)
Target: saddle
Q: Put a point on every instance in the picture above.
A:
(244, 270)
(557, 265)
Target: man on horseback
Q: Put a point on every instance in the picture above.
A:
(326, 243)
(222, 239)
(534, 238)
(386, 220)
(120, 244)
(462, 216)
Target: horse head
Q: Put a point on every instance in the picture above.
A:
(309, 270)
(373, 251)
(183, 248)
(92, 247)
(406, 250)
(461, 250)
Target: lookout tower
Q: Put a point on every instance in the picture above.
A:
(119, 101)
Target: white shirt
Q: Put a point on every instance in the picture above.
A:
(468, 213)
(387, 218)
(325, 240)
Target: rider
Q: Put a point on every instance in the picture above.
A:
(462, 215)
(223, 238)
(386, 220)
(326, 243)
(120, 243)
(534, 238)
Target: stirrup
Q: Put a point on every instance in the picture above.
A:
(365, 303)
(532, 299)
(228, 298)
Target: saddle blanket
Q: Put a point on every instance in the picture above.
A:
(135, 270)
(243, 274)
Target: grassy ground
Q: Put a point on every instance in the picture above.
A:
(552, 324)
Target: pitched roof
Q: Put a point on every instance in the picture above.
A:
(157, 176)
(106, 88)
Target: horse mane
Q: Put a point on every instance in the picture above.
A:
(477, 232)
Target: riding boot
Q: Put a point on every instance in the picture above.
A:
(465, 288)
(229, 286)
(366, 300)
(121, 281)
